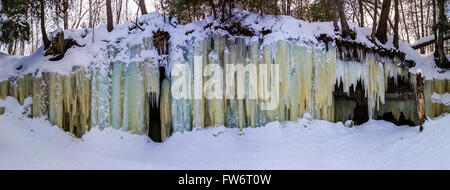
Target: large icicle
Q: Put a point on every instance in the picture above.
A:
(55, 91)
(117, 94)
(165, 107)
(39, 107)
(374, 84)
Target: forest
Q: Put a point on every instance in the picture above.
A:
(25, 23)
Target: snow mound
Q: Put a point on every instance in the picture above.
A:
(268, 28)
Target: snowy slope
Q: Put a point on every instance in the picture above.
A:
(124, 36)
(27, 143)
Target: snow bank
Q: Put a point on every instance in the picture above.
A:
(27, 143)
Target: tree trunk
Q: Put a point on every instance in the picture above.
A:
(436, 54)
(344, 26)
(422, 50)
(288, 8)
(374, 27)
(76, 23)
(91, 25)
(22, 47)
(420, 100)
(442, 19)
(143, 8)
(396, 24)
(15, 47)
(404, 21)
(427, 19)
(416, 24)
(223, 9)
(421, 18)
(213, 8)
(119, 10)
(361, 13)
(382, 25)
(109, 16)
(334, 12)
(10, 48)
(57, 13)
(231, 7)
(44, 33)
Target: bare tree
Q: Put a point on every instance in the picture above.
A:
(119, 10)
(334, 12)
(442, 60)
(44, 33)
(382, 24)
(91, 22)
(109, 16)
(374, 27)
(416, 23)
(421, 18)
(404, 21)
(361, 13)
(213, 8)
(65, 4)
(344, 26)
(142, 6)
(126, 10)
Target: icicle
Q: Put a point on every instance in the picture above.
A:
(231, 104)
(251, 85)
(271, 115)
(213, 88)
(294, 80)
(4, 89)
(117, 95)
(24, 88)
(241, 56)
(306, 69)
(55, 88)
(39, 107)
(374, 84)
(198, 103)
(150, 73)
(281, 58)
(134, 95)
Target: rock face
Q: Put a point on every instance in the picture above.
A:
(139, 98)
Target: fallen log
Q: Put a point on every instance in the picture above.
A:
(421, 115)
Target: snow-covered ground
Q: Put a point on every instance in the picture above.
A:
(27, 143)
(184, 37)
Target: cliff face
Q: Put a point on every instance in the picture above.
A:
(200, 78)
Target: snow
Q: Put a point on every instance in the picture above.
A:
(27, 143)
(424, 40)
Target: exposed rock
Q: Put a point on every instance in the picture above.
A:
(59, 46)
(349, 123)
(161, 42)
